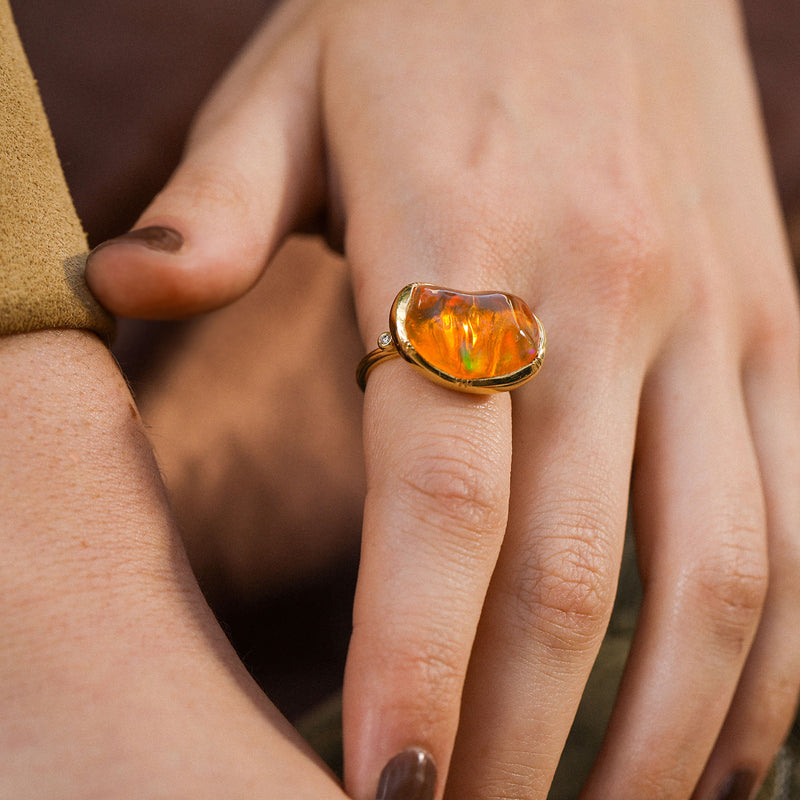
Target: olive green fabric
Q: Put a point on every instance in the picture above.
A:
(323, 726)
(42, 245)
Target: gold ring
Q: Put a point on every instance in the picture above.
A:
(482, 342)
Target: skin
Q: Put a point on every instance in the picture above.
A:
(115, 679)
(606, 163)
(262, 456)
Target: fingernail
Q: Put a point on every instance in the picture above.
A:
(738, 786)
(410, 775)
(154, 237)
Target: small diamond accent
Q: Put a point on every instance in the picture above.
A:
(384, 340)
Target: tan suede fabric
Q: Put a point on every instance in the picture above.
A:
(42, 244)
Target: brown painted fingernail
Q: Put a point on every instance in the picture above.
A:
(410, 775)
(154, 237)
(738, 786)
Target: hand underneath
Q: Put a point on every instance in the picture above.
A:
(115, 679)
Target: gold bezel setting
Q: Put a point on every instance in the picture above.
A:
(397, 341)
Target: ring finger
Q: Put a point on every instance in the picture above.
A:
(702, 550)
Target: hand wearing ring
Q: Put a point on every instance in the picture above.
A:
(482, 343)
(606, 161)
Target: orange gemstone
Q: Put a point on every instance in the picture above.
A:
(470, 336)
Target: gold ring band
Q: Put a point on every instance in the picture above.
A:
(374, 357)
(481, 342)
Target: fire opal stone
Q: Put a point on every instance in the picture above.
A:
(471, 336)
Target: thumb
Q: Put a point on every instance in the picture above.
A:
(252, 171)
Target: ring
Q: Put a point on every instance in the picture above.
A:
(482, 342)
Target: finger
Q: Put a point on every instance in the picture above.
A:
(553, 588)
(702, 546)
(766, 699)
(438, 466)
(251, 172)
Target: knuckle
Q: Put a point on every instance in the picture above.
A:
(433, 669)
(777, 705)
(623, 256)
(485, 229)
(460, 487)
(657, 781)
(776, 333)
(567, 587)
(729, 587)
(784, 569)
(432, 666)
(515, 778)
(204, 186)
(623, 262)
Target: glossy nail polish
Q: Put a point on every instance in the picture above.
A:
(154, 237)
(410, 775)
(738, 786)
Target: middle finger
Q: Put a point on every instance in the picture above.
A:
(552, 592)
